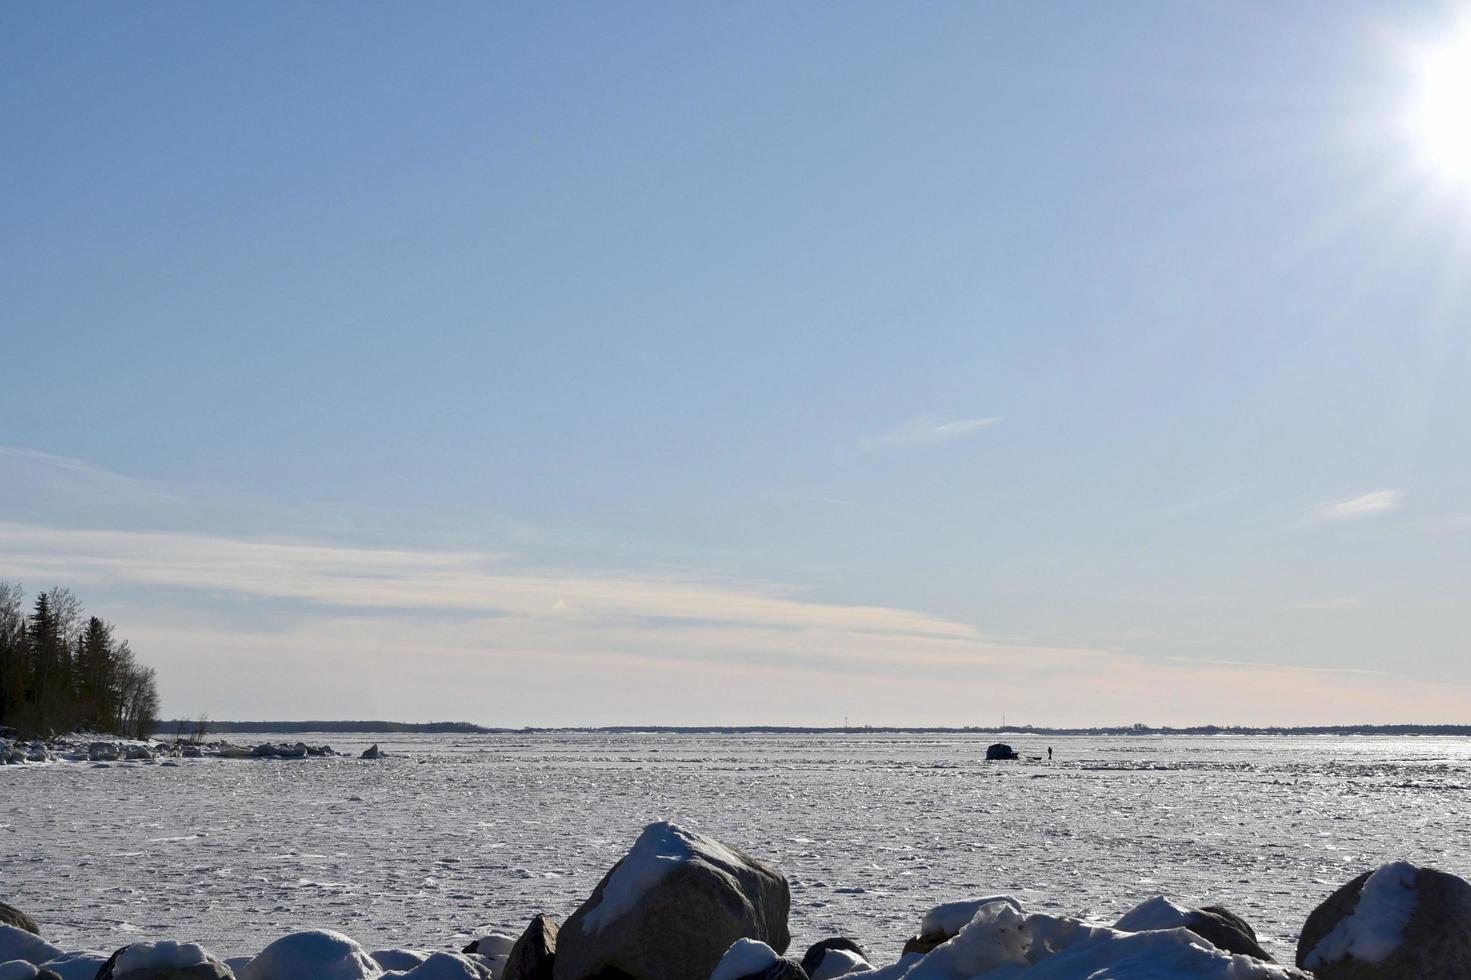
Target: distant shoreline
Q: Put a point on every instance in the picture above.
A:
(166, 728)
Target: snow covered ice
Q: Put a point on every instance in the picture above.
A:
(452, 838)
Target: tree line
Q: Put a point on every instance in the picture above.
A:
(62, 670)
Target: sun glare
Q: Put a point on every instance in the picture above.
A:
(1441, 116)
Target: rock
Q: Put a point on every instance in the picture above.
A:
(373, 752)
(533, 955)
(1223, 929)
(103, 752)
(444, 966)
(265, 752)
(812, 959)
(398, 959)
(12, 916)
(318, 954)
(840, 963)
(191, 752)
(21, 970)
(139, 753)
(1396, 923)
(671, 909)
(164, 961)
(1000, 751)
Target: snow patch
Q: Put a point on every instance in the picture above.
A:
(840, 963)
(745, 957)
(1156, 913)
(18, 970)
(660, 849)
(440, 966)
(81, 965)
(1377, 924)
(17, 944)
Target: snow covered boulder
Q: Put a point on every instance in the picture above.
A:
(318, 954)
(398, 959)
(12, 916)
(1225, 930)
(22, 970)
(1396, 923)
(1003, 941)
(164, 961)
(80, 965)
(444, 966)
(845, 951)
(748, 959)
(671, 908)
(944, 922)
(21, 944)
(534, 954)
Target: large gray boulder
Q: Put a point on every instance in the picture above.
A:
(670, 909)
(535, 954)
(1399, 922)
(12, 916)
(1223, 928)
(164, 961)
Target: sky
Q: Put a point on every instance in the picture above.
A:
(808, 364)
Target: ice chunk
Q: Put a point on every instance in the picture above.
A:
(1156, 913)
(1377, 924)
(319, 954)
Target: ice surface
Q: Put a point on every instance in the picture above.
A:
(456, 836)
(1377, 924)
(745, 956)
(158, 956)
(17, 944)
(660, 849)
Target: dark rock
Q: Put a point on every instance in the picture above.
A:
(535, 952)
(924, 942)
(812, 959)
(1000, 751)
(1436, 942)
(782, 969)
(12, 916)
(1226, 931)
(372, 752)
(671, 908)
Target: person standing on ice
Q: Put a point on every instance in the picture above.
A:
(1049, 753)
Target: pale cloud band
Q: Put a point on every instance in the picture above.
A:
(1364, 505)
(930, 429)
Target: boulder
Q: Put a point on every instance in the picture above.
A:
(373, 752)
(78, 965)
(12, 916)
(318, 954)
(671, 908)
(1000, 751)
(533, 955)
(444, 966)
(1396, 923)
(164, 961)
(103, 752)
(398, 959)
(840, 963)
(812, 959)
(1223, 929)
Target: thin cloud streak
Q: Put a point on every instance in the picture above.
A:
(930, 429)
(1365, 505)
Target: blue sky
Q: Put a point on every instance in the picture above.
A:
(763, 363)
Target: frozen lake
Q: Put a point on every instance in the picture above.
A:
(458, 835)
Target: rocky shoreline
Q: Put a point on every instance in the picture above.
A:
(683, 906)
(102, 749)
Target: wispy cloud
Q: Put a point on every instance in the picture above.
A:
(1364, 505)
(930, 429)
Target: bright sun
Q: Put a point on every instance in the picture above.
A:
(1441, 116)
